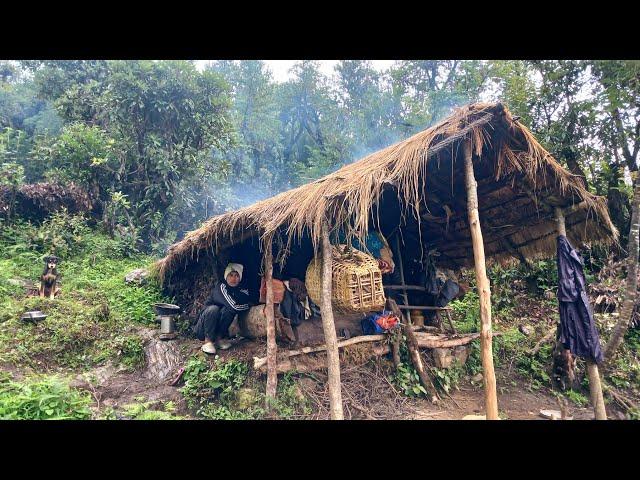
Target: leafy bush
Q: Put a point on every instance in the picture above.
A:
(289, 400)
(408, 381)
(467, 312)
(42, 398)
(208, 388)
(62, 234)
(576, 397)
(144, 411)
(448, 378)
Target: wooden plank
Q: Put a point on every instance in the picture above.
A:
(423, 307)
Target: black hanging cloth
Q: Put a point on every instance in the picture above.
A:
(578, 331)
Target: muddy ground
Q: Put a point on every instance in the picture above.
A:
(112, 389)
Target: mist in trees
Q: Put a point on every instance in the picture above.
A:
(162, 145)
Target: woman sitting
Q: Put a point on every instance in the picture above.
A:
(226, 300)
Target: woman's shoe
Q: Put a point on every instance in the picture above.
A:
(223, 344)
(209, 348)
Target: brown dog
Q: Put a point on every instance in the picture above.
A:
(49, 278)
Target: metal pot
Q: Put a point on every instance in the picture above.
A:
(166, 309)
(33, 316)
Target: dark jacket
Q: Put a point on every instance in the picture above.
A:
(225, 295)
(578, 331)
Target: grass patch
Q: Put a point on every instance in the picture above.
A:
(42, 398)
(90, 321)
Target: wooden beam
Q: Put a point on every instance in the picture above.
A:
(595, 387)
(272, 347)
(484, 292)
(423, 307)
(329, 327)
(402, 284)
(259, 363)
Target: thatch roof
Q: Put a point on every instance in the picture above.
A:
(38, 200)
(519, 183)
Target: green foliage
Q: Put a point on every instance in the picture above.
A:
(289, 401)
(467, 312)
(62, 234)
(42, 398)
(544, 274)
(407, 380)
(576, 397)
(144, 411)
(127, 349)
(448, 378)
(11, 174)
(141, 128)
(210, 389)
(87, 323)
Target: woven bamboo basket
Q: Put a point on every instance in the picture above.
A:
(356, 284)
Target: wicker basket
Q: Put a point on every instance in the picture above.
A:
(356, 281)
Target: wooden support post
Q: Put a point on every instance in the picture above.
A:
(328, 325)
(272, 347)
(595, 386)
(414, 353)
(484, 292)
(402, 284)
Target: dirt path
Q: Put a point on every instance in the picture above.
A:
(515, 402)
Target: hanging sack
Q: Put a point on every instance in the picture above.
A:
(278, 291)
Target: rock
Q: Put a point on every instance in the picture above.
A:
(138, 276)
(525, 330)
(442, 357)
(553, 415)
(461, 354)
(477, 378)
(447, 357)
(17, 282)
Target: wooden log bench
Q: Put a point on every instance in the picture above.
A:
(425, 339)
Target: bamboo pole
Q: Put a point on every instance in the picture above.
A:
(484, 292)
(272, 347)
(402, 284)
(595, 386)
(328, 325)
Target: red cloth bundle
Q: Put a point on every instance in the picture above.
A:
(387, 322)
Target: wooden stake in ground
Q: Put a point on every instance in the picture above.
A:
(404, 291)
(414, 353)
(272, 347)
(595, 386)
(484, 292)
(328, 325)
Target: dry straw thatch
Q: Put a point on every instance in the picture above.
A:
(519, 183)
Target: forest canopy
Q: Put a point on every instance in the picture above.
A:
(160, 146)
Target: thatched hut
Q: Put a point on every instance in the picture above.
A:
(479, 163)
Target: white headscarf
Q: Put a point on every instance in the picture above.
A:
(233, 267)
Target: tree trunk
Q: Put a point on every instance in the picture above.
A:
(272, 348)
(617, 202)
(631, 287)
(484, 292)
(328, 325)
